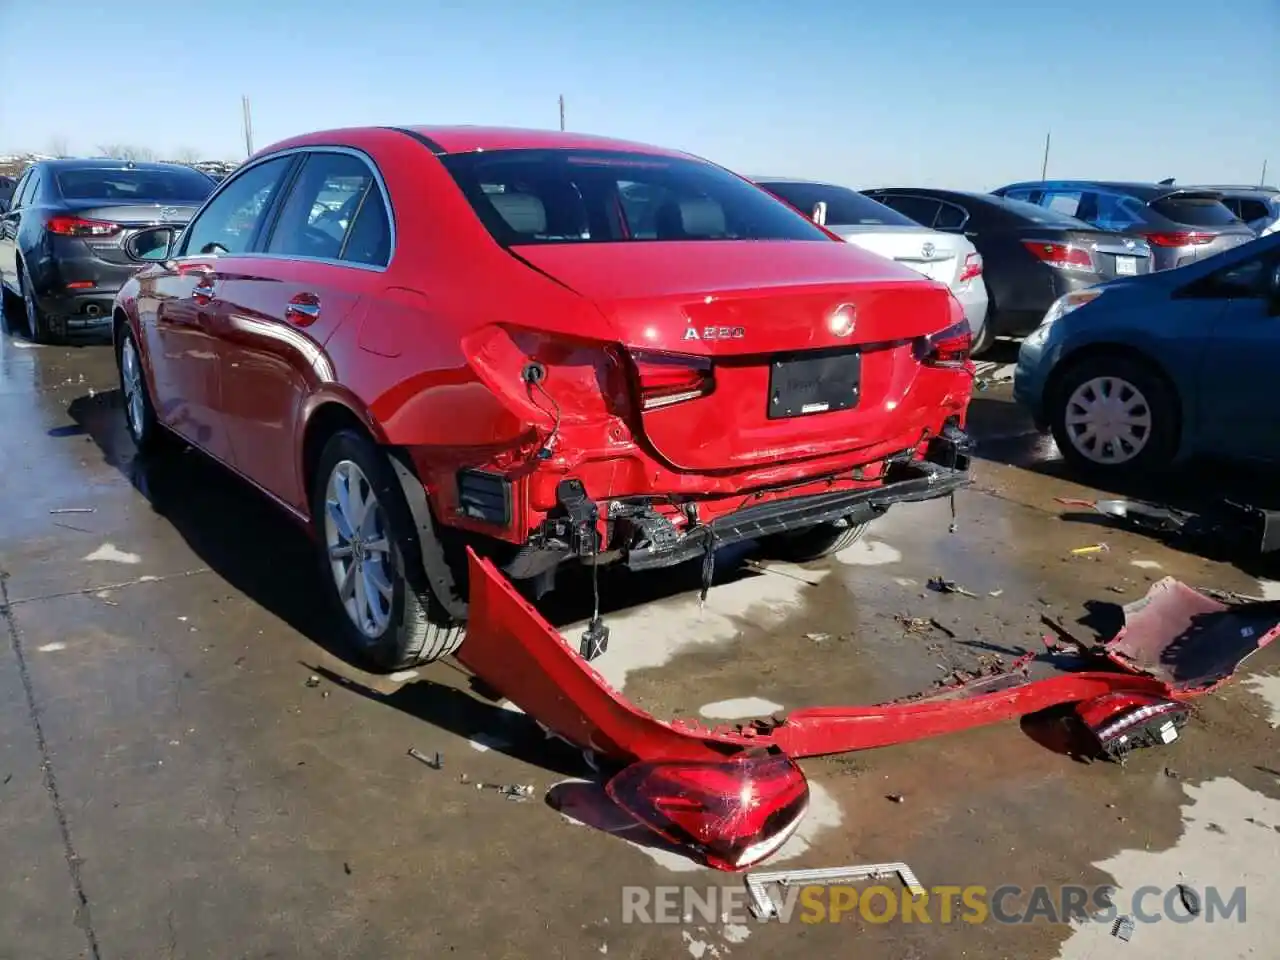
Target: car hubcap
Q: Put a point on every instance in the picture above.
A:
(1108, 420)
(131, 380)
(359, 549)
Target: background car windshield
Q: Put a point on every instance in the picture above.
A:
(569, 196)
(1038, 214)
(844, 206)
(183, 186)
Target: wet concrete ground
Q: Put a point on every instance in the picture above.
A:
(172, 787)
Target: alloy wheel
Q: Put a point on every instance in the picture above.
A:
(1108, 420)
(134, 395)
(359, 549)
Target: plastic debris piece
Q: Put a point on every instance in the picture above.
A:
(1091, 548)
(434, 764)
(61, 510)
(1123, 928)
(312, 681)
(1190, 899)
(943, 585)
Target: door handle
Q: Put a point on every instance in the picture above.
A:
(303, 309)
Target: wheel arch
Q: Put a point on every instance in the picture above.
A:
(1094, 351)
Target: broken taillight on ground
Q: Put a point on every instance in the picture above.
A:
(733, 813)
(1121, 722)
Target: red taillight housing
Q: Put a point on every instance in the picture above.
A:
(1063, 255)
(1178, 238)
(1120, 722)
(947, 348)
(972, 267)
(733, 814)
(663, 379)
(79, 227)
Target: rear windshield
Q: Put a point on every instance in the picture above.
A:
(844, 206)
(1039, 214)
(572, 196)
(1195, 211)
(183, 186)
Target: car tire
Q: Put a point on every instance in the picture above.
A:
(813, 543)
(1128, 400)
(38, 328)
(982, 342)
(140, 418)
(372, 568)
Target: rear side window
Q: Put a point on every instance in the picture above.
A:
(950, 217)
(138, 185)
(844, 206)
(1195, 211)
(1248, 209)
(920, 210)
(1025, 195)
(1064, 202)
(1110, 211)
(230, 222)
(597, 196)
(320, 211)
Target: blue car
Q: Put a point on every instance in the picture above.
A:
(1138, 373)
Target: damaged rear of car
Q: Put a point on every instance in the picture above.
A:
(745, 375)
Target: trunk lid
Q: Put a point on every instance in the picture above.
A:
(131, 217)
(1113, 254)
(762, 313)
(937, 256)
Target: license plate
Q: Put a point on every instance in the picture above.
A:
(1126, 266)
(816, 382)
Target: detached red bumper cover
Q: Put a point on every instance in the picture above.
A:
(1176, 643)
(1166, 650)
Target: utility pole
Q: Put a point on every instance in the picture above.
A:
(248, 127)
(1044, 166)
(562, 112)
(1263, 182)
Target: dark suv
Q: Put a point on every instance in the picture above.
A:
(62, 238)
(1182, 224)
(1259, 207)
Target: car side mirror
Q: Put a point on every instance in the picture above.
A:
(154, 245)
(820, 213)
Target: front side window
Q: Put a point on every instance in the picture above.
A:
(602, 196)
(231, 220)
(20, 191)
(320, 211)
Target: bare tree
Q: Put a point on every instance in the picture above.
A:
(187, 155)
(125, 151)
(58, 146)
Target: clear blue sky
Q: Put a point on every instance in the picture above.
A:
(919, 92)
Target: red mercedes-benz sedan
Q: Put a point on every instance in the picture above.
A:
(550, 347)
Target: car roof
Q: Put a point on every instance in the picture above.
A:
(938, 193)
(107, 163)
(1146, 192)
(1242, 190)
(443, 140)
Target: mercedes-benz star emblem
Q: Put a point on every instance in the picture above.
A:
(927, 251)
(843, 319)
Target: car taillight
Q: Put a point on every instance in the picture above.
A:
(947, 348)
(733, 814)
(663, 379)
(972, 267)
(1178, 238)
(79, 227)
(1120, 722)
(1063, 255)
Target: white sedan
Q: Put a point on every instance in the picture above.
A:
(949, 258)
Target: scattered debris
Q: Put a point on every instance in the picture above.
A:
(1231, 596)
(512, 791)
(61, 510)
(346, 868)
(942, 585)
(1171, 773)
(760, 567)
(71, 526)
(817, 637)
(996, 593)
(1190, 899)
(1091, 548)
(763, 906)
(312, 681)
(1123, 928)
(895, 797)
(1230, 524)
(434, 764)
(1115, 589)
